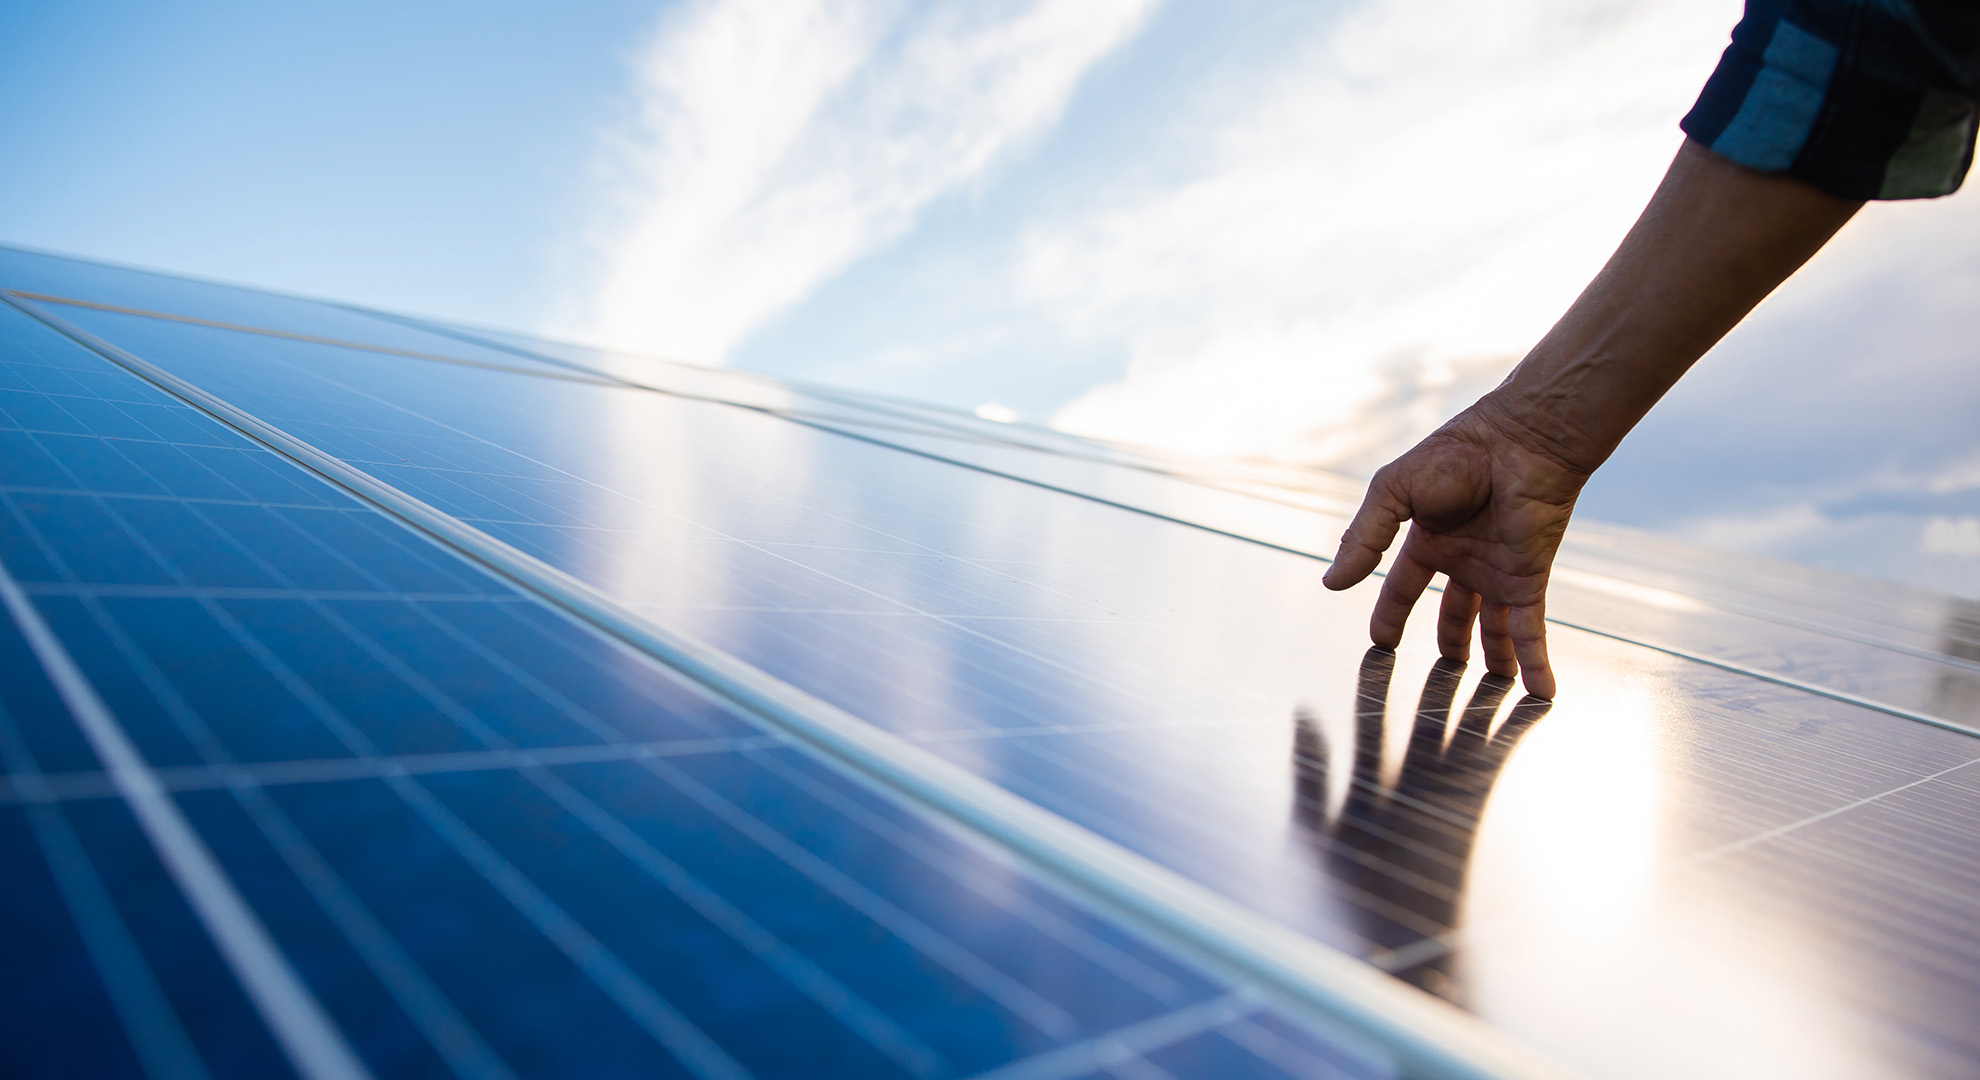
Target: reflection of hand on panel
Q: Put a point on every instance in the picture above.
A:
(1398, 853)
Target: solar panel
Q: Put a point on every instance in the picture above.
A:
(1736, 847)
(483, 837)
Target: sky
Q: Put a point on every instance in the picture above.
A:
(1302, 230)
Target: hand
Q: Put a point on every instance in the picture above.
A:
(1488, 502)
(1490, 492)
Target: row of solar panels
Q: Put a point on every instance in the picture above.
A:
(967, 748)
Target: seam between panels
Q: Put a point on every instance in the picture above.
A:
(938, 427)
(307, 1035)
(1788, 681)
(1326, 989)
(30, 303)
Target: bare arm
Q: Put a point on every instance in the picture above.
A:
(1491, 491)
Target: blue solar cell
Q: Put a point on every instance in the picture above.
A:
(99, 465)
(25, 694)
(176, 470)
(250, 839)
(91, 539)
(34, 410)
(56, 1017)
(29, 464)
(219, 1019)
(284, 540)
(99, 417)
(524, 997)
(130, 683)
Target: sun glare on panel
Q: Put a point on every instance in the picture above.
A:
(1572, 824)
(1572, 877)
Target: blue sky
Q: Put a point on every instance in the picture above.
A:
(420, 156)
(1303, 230)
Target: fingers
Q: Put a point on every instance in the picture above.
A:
(1514, 639)
(1406, 581)
(1368, 535)
(1454, 618)
(1496, 639)
(1528, 625)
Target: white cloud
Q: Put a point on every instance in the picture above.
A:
(1314, 245)
(780, 140)
(1405, 211)
(1956, 476)
(1951, 536)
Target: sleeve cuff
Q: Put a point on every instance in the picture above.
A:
(1856, 100)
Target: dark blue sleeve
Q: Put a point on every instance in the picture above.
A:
(1865, 99)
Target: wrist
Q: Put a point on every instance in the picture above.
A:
(1545, 418)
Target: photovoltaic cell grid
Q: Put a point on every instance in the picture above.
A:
(842, 614)
(488, 841)
(865, 572)
(880, 563)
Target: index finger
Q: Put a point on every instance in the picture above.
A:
(1368, 535)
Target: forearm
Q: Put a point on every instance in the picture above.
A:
(1488, 495)
(1715, 239)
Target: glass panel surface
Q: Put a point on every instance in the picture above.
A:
(1569, 873)
(1305, 510)
(1801, 624)
(488, 841)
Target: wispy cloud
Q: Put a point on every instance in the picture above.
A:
(1313, 245)
(1403, 213)
(777, 141)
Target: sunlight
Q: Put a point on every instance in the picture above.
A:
(1572, 824)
